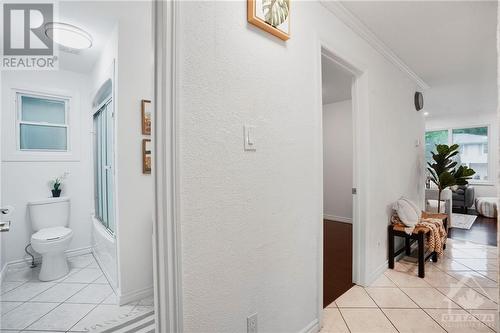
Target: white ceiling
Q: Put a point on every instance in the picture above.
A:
(97, 18)
(451, 45)
(336, 82)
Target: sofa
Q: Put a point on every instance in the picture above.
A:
(463, 197)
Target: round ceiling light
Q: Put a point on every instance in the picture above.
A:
(68, 35)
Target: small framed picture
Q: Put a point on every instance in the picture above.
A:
(146, 114)
(272, 16)
(146, 156)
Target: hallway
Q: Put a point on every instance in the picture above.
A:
(458, 294)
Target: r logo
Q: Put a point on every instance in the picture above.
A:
(23, 26)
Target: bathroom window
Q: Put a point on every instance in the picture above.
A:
(42, 123)
(103, 162)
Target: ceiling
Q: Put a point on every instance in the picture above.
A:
(451, 45)
(336, 82)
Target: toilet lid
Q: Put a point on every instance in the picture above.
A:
(50, 234)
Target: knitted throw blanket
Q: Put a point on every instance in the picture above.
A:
(436, 235)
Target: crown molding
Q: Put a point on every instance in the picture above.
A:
(364, 32)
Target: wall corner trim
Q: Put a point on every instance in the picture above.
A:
(340, 11)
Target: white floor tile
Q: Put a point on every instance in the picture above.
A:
(492, 275)
(383, 281)
(20, 275)
(412, 320)
(92, 293)
(111, 299)
(59, 293)
(479, 264)
(491, 293)
(391, 298)
(101, 280)
(441, 279)
(105, 316)
(402, 279)
(8, 286)
(85, 275)
(81, 261)
(367, 320)
(488, 317)
(8, 306)
(24, 315)
(62, 318)
(27, 291)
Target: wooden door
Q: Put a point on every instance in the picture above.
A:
(337, 260)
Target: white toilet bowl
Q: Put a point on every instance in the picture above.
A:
(51, 244)
(50, 219)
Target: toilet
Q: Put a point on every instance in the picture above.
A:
(50, 218)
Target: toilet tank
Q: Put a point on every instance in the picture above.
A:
(48, 213)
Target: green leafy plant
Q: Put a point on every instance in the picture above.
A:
(443, 171)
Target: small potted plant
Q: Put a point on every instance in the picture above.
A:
(56, 185)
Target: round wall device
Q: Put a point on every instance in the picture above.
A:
(419, 101)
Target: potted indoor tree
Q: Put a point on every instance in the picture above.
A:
(443, 171)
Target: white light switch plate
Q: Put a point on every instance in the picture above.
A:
(249, 138)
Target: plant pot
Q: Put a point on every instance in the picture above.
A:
(56, 193)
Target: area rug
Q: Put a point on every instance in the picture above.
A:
(462, 221)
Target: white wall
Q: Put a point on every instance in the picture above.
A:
(337, 161)
(24, 180)
(473, 120)
(134, 73)
(251, 221)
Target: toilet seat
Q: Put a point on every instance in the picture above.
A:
(49, 235)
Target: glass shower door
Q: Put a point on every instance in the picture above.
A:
(104, 171)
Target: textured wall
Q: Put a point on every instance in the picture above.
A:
(251, 221)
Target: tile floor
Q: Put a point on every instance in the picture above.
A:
(83, 301)
(459, 294)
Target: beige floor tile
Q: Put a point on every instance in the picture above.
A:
(489, 317)
(383, 281)
(471, 254)
(457, 321)
(491, 293)
(468, 298)
(412, 321)
(406, 279)
(356, 297)
(492, 275)
(441, 279)
(333, 322)
(479, 264)
(367, 321)
(473, 279)
(391, 298)
(447, 265)
(430, 298)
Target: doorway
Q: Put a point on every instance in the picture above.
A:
(338, 178)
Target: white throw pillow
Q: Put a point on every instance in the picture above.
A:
(407, 212)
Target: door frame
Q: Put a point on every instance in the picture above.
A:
(166, 227)
(361, 155)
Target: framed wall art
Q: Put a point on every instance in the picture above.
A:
(146, 114)
(272, 16)
(146, 156)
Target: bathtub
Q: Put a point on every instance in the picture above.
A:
(104, 250)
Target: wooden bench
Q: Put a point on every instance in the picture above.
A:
(418, 235)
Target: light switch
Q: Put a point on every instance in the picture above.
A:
(249, 138)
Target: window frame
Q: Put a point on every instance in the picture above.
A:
(490, 181)
(19, 121)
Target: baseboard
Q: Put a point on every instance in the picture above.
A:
(312, 327)
(337, 218)
(377, 273)
(134, 295)
(26, 262)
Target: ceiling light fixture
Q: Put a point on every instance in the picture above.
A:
(68, 35)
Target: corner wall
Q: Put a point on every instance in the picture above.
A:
(251, 221)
